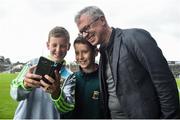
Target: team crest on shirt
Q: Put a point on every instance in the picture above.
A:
(95, 95)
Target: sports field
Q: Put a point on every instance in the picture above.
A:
(7, 104)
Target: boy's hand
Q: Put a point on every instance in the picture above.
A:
(30, 80)
(53, 89)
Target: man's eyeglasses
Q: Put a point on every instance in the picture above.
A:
(85, 30)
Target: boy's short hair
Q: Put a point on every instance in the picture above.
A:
(59, 32)
(82, 40)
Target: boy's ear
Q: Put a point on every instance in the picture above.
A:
(47, 44)
(69, 46)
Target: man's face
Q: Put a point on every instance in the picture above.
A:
(91, 29)
(58, 47)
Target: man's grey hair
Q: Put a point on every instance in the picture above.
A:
(92, 11)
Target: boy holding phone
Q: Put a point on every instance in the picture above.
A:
(37, 98)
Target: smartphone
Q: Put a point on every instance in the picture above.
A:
(47, 67)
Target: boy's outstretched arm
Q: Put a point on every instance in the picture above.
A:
(17, 89)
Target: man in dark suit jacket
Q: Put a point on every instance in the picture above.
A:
(136, 81)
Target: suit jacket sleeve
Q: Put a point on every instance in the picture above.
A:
(145, 49)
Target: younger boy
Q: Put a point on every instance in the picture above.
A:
(37, 99)
(82, 87)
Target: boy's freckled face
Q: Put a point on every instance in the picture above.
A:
(58, 47)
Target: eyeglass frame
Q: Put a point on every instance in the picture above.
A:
(87, 27)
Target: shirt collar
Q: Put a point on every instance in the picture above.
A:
(110, 43)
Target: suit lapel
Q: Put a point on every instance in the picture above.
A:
(116, 55)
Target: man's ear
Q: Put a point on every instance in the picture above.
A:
(103, 19)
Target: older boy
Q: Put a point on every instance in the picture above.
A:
(37, 99)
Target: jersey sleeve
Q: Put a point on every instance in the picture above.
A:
(17, 90)
(66, 100)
